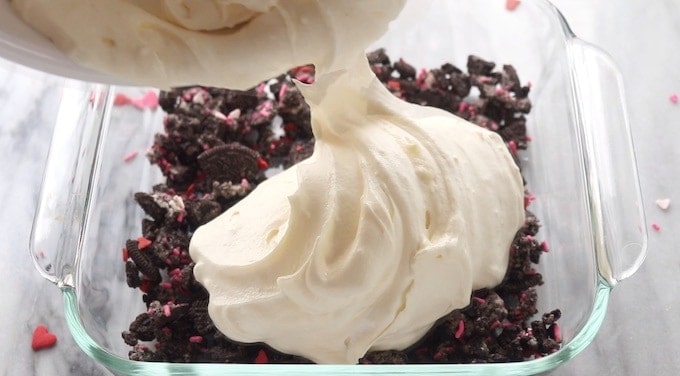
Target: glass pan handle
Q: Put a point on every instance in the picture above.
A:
(618, 216)
(56, 235)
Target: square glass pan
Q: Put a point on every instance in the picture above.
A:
(580, 166)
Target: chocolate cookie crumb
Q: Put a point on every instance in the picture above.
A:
(142, 261)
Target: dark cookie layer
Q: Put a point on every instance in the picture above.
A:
(216, 146)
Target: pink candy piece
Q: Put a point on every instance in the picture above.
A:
(165, 285)
(121, 99)
(656, 227)
(130, 156)
(180, 216)
(673, 98)
(420, 79)
(462, 107)
(261, 357)
(282, 92)
(557, 333)
(512, 4)
(149, 100)
(460, 330)
(528, 199)
(260, 88)
(195, 339)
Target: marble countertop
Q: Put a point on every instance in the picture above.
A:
(639, 335)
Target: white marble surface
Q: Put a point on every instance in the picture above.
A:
(639, 335)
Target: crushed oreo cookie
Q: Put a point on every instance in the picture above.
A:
(215, 149)
(230, 162)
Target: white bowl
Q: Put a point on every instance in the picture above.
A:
(21, 44)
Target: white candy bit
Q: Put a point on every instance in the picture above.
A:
(219, 115)
(663, 203)
(174, 204)
(234, 114)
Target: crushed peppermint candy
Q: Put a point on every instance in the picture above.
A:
(130, 156)
(460, 330)
(149, 100)
(173, 203)
(196, 339)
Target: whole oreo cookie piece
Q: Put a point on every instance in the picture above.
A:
(231, 162)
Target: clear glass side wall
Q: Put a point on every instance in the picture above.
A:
(129, 367)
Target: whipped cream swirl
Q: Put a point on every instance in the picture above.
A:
(400, 212)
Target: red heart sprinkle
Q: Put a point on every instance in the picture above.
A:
(143, 242)
(42, 339)
(511, 4)
(262, 164)
(261, 357)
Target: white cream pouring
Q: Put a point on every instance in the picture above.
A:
(398, 215)
(155, 43)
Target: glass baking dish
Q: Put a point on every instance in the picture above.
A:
(580, 166)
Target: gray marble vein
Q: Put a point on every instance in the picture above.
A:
(640, 333)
